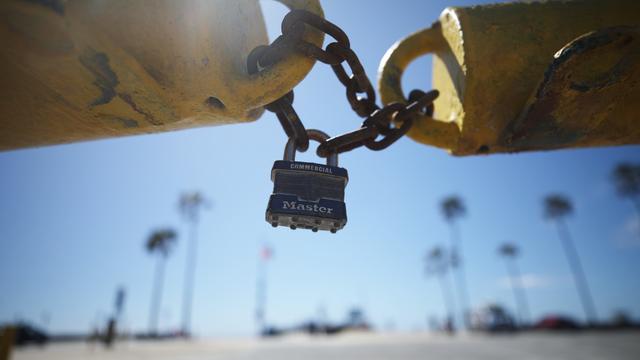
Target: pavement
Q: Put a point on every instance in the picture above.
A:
(561, 346)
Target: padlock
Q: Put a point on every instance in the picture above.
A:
(307, 195)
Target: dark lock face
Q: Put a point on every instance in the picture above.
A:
(307, 195)
(309, 186)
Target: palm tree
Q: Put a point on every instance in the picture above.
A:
(159, 243)
(510, 252)
(452, 209)
(626, 178)
(437, 264)
(189, 206)
(558, 207)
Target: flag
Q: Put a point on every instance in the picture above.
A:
(266, 253)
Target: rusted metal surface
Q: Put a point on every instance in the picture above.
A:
(502, 89)
(7, 340)
(86, 69)
(282, 107)
(589, 96)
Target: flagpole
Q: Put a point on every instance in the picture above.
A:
(261, 289)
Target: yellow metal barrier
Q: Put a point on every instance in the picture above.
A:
(7, 338)
(527, 76)
(85, 69)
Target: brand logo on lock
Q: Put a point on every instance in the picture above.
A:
(292, 205)
(299, 166)
(312, 167)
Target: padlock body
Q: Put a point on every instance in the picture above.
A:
(307, 196)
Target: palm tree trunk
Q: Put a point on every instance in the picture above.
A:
(156, 297)
(578, 273)
(518, 291)
(461, 279)
(447, 295)
(636, 203)
(189, 278)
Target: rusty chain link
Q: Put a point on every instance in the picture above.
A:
(359, 90)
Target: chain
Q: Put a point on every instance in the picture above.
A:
(359, 91)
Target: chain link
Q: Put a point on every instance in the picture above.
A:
(391, 122)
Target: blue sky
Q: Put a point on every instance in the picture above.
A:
(73, 218)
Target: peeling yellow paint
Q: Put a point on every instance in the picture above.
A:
(490, 62)
(86, 69)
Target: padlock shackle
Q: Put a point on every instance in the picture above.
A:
(314, 134)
